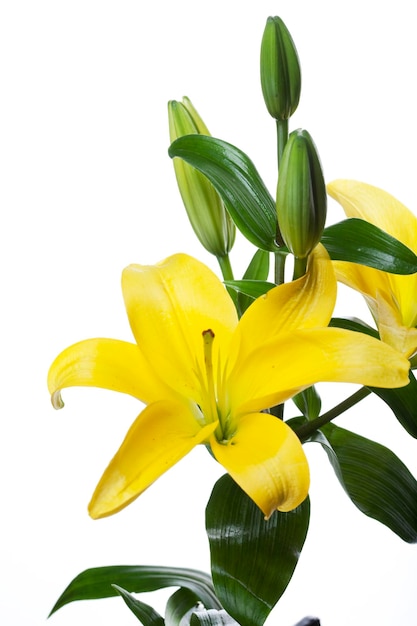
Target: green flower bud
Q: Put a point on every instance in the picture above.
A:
(301, 195)
(280, 70)
(205, 209)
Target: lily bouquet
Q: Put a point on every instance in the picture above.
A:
(232, 363)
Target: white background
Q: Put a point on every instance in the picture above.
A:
(87, 188)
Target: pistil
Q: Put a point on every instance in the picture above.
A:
(208, 337)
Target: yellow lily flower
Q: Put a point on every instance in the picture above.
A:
(207, 377)
(392, 299)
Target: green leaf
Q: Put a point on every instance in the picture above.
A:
(308, 402)
(403, 403)
(236, 179)
(145, 613)
(375, 479)
(180, 606)
(258, 270)
(358, 241)
(252, 559)
(97, 583)
(353, 323)
(251, 288)
(212, 618)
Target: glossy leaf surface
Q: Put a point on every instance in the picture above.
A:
(97, 583)
(236, 179)
(180, 606)
(375, 479)
(358, 241)
(252, 559)
(145, 613)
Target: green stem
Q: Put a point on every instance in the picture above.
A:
(225, 266)
(282, 137)
(299, 267)
(308, 429)
(279, 268)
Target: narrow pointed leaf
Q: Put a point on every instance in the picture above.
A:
(145, 613)
(353, 323)
(180, 606)
(403, 403)
(236, 179)
(251, 288)
(212, 618)
(358, 241)
(252, 559)
(375, 479)
(257, 270)
(97, 583)
(308, 402)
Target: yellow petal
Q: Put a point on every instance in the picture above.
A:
(378, 207)
(106, 363)
(391, 328)
(169, 306)
(303, 303)
(274, 372)
(267, 461)
(161, 435)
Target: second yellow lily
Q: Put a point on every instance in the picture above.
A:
(392, 299)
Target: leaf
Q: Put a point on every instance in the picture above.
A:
(353, 323)
(251, 288)
(403, 403)
(252, 560)
(258, 270)
(212, 618)
(375, 479)
(358, 241)
(180, 606)
(97, 583)
(145, 613)
(236, 179)
(308, 402)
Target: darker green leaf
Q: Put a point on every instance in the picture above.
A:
(358, 241)
(403, 403)
(375, 479)
(97, 583)
(252, 559)
(181, 604)
(145, 613)
(236, 179)
(308, 402)
(353, 323)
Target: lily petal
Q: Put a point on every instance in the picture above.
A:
(303, 303)
(160, 436)
(106, 363)
(169, 305)
(266, 459)
(378, 207)
(272, 373)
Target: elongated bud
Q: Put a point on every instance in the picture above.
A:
(301, 195)
(205, 209)
(280, 70)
